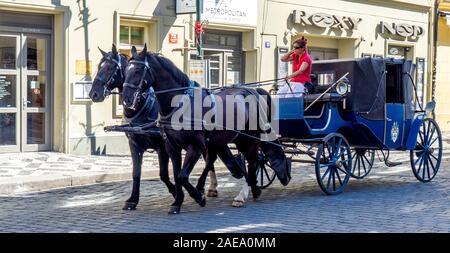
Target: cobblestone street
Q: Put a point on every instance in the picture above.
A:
(388, 200)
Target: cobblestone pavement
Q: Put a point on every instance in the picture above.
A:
(388, 200)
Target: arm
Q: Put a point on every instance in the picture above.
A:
(287, 57)
(302, 68)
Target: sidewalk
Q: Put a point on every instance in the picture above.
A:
(27, 172)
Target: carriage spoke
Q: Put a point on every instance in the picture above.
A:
(420, 164)
(326, 172)
(431, 135)
(418, 159)
(437, 160)
(334, 180)
(267, 174)
(421, 136)
(339, 148)
(345, 172)
(262, 174)
(428, 131)
(432, 165)
(329, 181)
(371, 164)
(425, 161)
(339, 178)
(428, 167)
(364, 165)
(432, 142)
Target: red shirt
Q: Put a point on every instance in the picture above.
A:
(306, 75)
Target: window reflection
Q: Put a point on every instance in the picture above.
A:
(35, 128)
(7, 129)
(7, 52)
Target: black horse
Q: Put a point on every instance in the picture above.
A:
(148, 70)
(111, 75)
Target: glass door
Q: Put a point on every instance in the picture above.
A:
(215, 68)
(35, 95)
(225, 68)
(24, 96)
(9, 93)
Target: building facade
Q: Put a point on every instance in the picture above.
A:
(443, 66)
(49, 54)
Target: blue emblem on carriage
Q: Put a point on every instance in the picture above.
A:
(394, 132)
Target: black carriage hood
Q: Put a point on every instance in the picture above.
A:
(368, 83)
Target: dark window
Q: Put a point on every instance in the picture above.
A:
(394, 87)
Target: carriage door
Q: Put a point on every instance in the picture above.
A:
(395, 106)
(24, 96)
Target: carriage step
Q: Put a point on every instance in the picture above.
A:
(392, 164)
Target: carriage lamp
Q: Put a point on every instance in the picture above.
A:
(343, 87)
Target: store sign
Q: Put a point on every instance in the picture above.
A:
(324, 20)
(186, 6)
(197, 71)
(403, 30)
(231, 11)
(173, 38)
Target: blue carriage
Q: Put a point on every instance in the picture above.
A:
(359, 106)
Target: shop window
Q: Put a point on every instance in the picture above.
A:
(129, 36)
(318, 54)
(401, 52)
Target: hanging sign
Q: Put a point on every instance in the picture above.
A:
(231, 11)
(186, 6)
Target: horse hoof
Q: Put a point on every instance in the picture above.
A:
(212, 193)
(202, 202)
(257, 193)
(238, 203)
(129, 206)
(174, 210)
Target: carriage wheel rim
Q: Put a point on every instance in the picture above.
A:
(332, 179)
(426, 156)
(262, 171)
(363, 161)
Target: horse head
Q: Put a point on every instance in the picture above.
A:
(139, 78)
(110, 74)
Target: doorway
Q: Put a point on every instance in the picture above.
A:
(24, 92)
(225, 68)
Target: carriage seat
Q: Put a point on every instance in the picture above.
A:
(327, 97)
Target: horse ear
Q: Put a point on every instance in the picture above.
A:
(133, 52)
(114, 49)
(144, 51)
(101, 51)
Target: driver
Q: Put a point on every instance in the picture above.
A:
(301, 70)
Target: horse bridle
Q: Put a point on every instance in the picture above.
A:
(138, 93)
(118, 65)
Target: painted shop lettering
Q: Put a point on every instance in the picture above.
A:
(403, 30)
(324, 20)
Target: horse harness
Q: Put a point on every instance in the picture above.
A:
(118, 66)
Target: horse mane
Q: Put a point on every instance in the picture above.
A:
(179, 76)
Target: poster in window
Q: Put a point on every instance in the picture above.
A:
(420, 76)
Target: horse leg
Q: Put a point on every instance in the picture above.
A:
(249, 153)
(210, 157)
(136, 156)
(163, 158)
(175, 157)
(191, 158)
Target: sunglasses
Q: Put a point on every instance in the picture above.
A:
(298, 47)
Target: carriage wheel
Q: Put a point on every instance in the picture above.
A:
(363, 160)
(426, 156)
(333, 164)
(264, 176)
